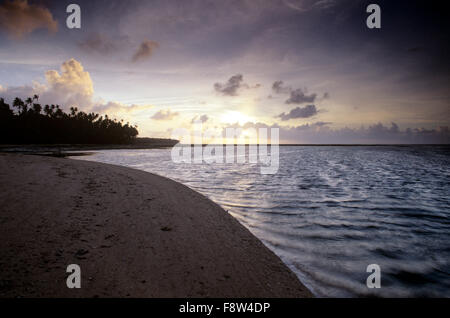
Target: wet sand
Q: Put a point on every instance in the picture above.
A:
(133, 234)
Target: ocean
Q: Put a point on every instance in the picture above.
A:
(330, 211)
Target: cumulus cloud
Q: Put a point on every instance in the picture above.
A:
(279, 88)
(19, 18)
(202, 118)
(233, 85)
(145, 50)
(298, 96)
(299, 112)
(70, 86)
(164, 115)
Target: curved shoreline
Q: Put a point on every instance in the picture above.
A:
(133, 233)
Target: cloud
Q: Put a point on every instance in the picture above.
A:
(145, 50)
(322, 133)
(164, 115)
(19, 18)
(70, 86)
(322, 123)
(202, 118)
(116, 107)
(373, 134)
(279, 88)
(299, 97)
(233, 85)
(9, 93)
(299, 112)
(103, 44)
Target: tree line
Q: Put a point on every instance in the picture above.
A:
(27, 122)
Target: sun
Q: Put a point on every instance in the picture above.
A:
(232, 117)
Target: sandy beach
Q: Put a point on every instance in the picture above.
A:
(134, 234)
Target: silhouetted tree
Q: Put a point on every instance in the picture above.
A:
(25, 123)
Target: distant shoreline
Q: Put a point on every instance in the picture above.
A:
(140, 143)
(133, 233)
(62, 150)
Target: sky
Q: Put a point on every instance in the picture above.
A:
(311, 68)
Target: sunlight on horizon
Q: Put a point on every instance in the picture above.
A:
(232, 117)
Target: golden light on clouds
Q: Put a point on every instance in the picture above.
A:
(72, 77)
(19, 18)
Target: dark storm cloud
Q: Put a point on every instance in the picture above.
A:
(232, 86)
(19, 18)
(299, 112)
(145, 50)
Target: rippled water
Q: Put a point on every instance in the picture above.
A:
(330, 211)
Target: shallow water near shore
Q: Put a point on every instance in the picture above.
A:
(332, 210)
